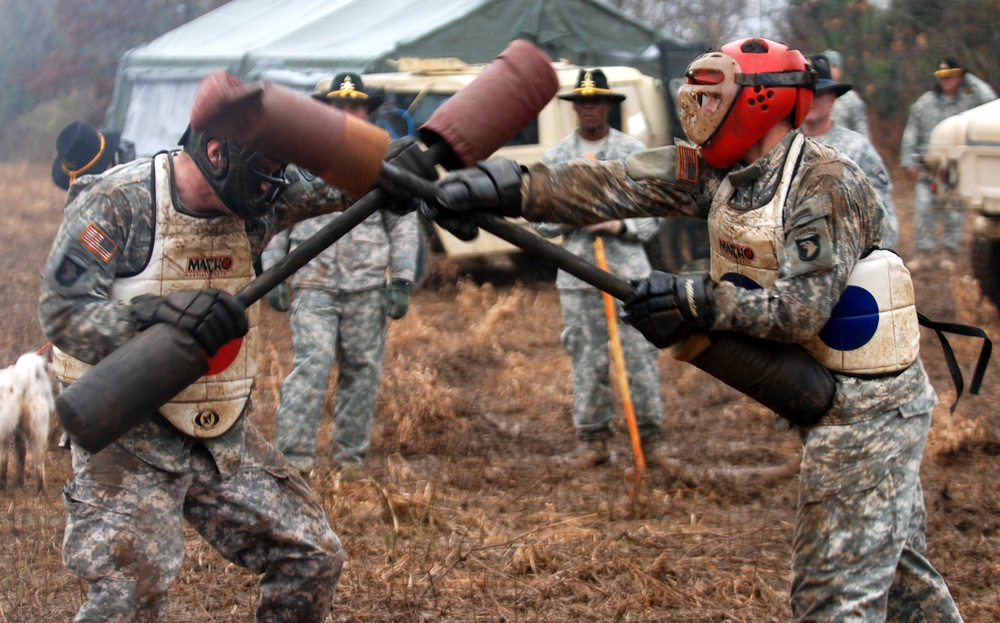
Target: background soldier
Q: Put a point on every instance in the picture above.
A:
(849, 111)
(340, 304)
(585, 331)
(821, 126)
(82, 150)
(955, 92)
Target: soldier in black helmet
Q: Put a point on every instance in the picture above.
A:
(169, 240)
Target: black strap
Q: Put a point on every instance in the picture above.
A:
(949, 355)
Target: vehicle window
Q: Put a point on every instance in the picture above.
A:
(423, 109)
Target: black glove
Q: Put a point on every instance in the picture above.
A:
(398, 295)
(279, 298)
(457, 223)
(492, 185)
(668, 307)
(405, 153)
(213, 317)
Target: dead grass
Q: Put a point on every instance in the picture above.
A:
(461, 515)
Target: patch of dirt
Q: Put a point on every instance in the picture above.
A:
(462, 515)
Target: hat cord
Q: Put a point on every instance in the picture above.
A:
(74, 173)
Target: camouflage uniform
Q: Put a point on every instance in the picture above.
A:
(859, 539)
(585, 332)
(124, 533)
(849, 111)
(930, 109)
(339, 312)
(859, 149)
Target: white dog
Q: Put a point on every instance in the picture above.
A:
(26, 405)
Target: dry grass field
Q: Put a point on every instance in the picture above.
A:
(461, 515)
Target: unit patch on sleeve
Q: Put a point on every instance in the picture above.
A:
(98, 243)
(810, 248)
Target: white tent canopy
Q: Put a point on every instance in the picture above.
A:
(299, 41)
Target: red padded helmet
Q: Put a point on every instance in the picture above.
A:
(735, 95)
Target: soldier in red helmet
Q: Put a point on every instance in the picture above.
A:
(796, 258)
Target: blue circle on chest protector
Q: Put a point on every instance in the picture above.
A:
(853, 321)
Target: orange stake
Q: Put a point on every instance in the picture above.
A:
(618, 356)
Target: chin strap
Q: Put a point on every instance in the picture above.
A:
(949, 354)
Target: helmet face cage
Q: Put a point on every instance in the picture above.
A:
(759, 83)
(711, 75)
(238, 177)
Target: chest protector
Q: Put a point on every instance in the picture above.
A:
(873, 329)
(189, 254)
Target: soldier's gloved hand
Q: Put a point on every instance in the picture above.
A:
(492, 185)
(668, 307)
(457, 223)
(279, 298)
(398, 298)
(406, 154)
(213, 317)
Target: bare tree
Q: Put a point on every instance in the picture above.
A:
(713, 22)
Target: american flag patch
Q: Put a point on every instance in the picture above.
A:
(98, 243)
(687, 163)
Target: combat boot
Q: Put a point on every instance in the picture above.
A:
(586, 455)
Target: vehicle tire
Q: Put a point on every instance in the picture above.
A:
(986, 266)
(681, 244)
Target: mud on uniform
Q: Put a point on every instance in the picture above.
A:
(124, 532)
(858, 549)
(339, 314)
(585, 327)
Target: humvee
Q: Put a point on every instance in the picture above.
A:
(963, 159)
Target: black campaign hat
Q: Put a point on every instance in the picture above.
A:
(591, 84)
(948, 67)
(825, 80)
(346, 86)
(82, 150)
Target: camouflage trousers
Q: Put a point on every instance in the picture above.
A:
(328, 327)
(585, 337)
(859, 546)
(124, 535)
(927, 217)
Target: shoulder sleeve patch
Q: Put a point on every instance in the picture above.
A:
(687, 163)
(808, 248)
(98, 243)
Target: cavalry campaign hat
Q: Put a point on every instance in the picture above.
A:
(344, 87)
(591, 84)
(825, 80)
(82, 150)
(948, 68)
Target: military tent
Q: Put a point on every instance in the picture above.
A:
(297, 42)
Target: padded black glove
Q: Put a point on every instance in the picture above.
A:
(405, 153)
(457, 223)
(213, 317)
(668, 307)
(492, 185)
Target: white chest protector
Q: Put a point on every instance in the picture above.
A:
(873, 329)
(189, 254)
